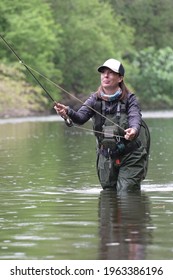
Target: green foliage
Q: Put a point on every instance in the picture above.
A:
(29, 28)
(17, 96)
(92, 34)
(67, 40)
(151, 19)
(153, 79)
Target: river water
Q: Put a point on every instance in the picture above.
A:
(53, 208)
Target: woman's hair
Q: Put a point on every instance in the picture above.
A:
(124, 89)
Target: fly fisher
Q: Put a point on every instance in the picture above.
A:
(122, 137)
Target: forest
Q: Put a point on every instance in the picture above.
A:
(64, 42)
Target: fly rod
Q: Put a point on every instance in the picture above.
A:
(67, 120)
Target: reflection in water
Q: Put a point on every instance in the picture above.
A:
(124, 225)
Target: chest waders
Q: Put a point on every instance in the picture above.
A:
(120, 163)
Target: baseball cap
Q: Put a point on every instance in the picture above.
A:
(114, 65)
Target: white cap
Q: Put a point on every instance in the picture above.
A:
(114, 65)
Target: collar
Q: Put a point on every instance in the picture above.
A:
(112, 97)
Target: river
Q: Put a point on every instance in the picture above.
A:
(53, 208)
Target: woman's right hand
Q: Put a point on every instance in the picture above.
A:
(61, 109)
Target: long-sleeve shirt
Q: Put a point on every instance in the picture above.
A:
(87, 111)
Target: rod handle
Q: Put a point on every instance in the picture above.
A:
(68, 121)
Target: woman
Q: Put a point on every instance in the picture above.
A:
(122, 159)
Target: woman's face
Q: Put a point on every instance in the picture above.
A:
(110, 80)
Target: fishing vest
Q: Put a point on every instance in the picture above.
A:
(107, 133)
(109, 128)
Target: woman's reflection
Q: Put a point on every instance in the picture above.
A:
(124, 225)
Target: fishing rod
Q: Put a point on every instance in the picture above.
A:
(67, 120)
(70, 94)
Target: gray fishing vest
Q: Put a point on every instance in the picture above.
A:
(110, 129)
(109, 134)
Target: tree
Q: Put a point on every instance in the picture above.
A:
(30, 29)
(151, 19)
(153, 79)
(91, 34)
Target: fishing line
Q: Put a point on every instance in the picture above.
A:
(20, 61)
(59, 87)
(66, 119)
(30, 69)
(100, 132)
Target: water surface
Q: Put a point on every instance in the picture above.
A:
(52, 206)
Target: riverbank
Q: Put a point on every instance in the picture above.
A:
(54, 117)
(165, 114)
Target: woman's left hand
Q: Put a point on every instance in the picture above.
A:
(130, 134)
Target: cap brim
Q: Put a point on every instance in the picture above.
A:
(101, 68)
